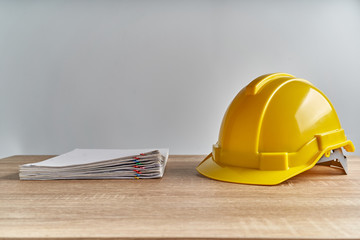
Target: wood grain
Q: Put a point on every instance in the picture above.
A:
(320, 203)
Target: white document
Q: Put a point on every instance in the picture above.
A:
(86, 156)
(99, 164)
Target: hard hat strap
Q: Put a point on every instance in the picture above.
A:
(336, 159)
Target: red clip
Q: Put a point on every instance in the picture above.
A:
(137, 171)
(136, 158)
(142, 154)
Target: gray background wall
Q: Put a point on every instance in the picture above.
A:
(129, 74)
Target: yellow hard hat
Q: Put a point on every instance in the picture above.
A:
(276, 127)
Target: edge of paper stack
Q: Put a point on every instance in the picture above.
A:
(99, 164)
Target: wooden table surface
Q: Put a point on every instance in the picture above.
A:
(320, 203)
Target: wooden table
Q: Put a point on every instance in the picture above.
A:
(320, 203)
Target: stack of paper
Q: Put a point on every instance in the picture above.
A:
(99, 164)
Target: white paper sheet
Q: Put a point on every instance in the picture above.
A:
(85, 156)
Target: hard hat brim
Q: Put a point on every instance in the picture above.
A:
(211, 169)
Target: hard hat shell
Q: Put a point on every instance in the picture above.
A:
(275, 128)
